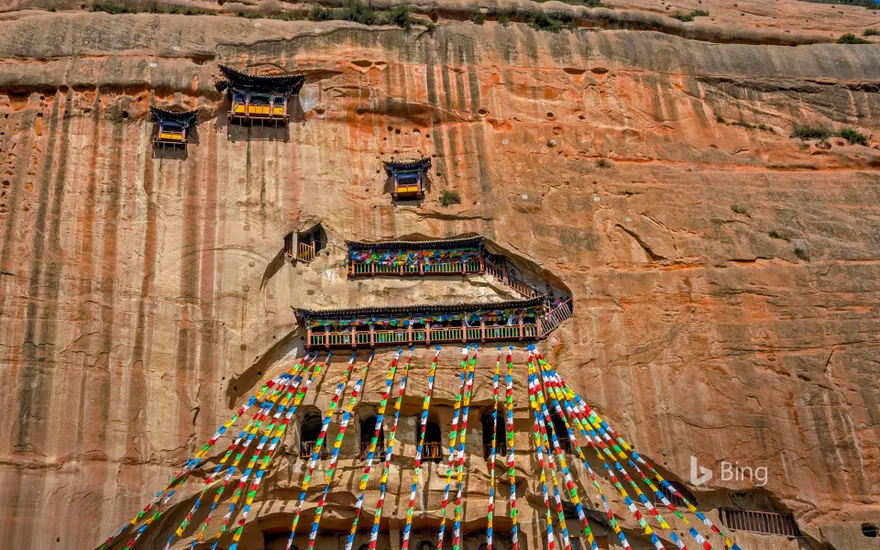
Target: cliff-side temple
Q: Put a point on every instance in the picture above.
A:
(436, 275)
(264, 99)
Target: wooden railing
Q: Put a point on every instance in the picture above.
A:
(555, 317)
(432, 452)
(305, 252)
(373, 269)
(767, 523)
(410, 336)
(503, 274)
(378, 454)
(307, 449)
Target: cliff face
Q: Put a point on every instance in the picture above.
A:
(726, 278)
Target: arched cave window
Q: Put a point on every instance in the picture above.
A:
(501, 437)
(426, 545)
(368, 429)
(869, 530)
(308, 434)
(432, 449)
(560, 431)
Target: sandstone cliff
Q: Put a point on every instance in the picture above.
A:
(726, 277)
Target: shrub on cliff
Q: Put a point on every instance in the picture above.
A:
(449, 197)
(688, 17)
(320, 14)
(401, 16)
(478, 19)
(113, 7)
(850, 38)
(358, 13)
(542, 21)
(871, 32)
(806, 131)
(853, 136)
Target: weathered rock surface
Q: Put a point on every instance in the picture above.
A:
(726, 279)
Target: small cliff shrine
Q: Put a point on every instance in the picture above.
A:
(264, 99)
(172, 126)
(408, 178)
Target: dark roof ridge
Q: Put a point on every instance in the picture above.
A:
(422, 308)
(454, 242)
(182, 117)
(289, 84)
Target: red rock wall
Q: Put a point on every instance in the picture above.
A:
(137, 296)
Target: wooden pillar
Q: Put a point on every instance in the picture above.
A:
(354, 344)
(327, 337)
(409, 333)
(422, 267)
(308, 338)
(482, 265)
(427, 333)
(373, 268)
(483, 330)
(463, 331)
(520, 327)
(372, 336)
(352, 269)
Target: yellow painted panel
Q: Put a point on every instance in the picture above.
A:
(167, 135)
(239, 108)
(279, 110)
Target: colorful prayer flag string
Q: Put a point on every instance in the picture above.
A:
(236, 496)
(389, 452)
(193, 462)
(334, 457)
(547, 427)
(592, 421)
(319, 445)
(210, 480)
(359, 505)
(453, 438)
(511, 465)
(417, 462)
(492, 450)
(456, 539)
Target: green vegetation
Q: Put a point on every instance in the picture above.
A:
(504, 20)
(588, 3)
(806, 131)
(401, 16)
(478, 19)
(356, 12)
(542, 21)
(739, 209)
(720, 120)
(871, 32)
(603, 163)
(449, 197)
(869, 4)
(120, 7)
(802, 253)
(319, 13)
(113, 7)
(688, 17)
(850, 38)
(853, 136)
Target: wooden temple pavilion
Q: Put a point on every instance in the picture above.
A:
(461, 256)
(408, 178)
(368, 327)
(259, 98)
(172, 126)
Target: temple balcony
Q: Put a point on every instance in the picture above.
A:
(515, 321)
(264, 99)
